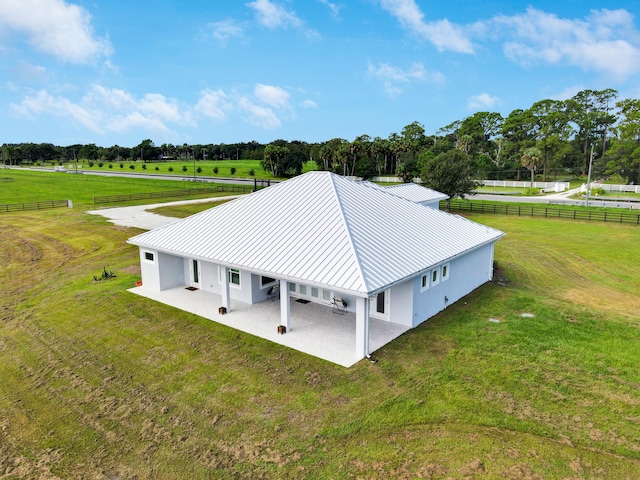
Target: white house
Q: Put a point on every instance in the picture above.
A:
(326, 239)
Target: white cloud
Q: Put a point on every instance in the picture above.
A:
(272, 15)
(273, 96)
(482, 101)
(396, 79)
(102, 110)
(605, 41)
(56, 28)
(335, 8)
(225, 30)
(213, 104)
(258, 115)
(42, 102)
(442, 33)
(308, 103)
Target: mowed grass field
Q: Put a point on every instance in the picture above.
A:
(242, 168)
(29, 186)
(98, 383)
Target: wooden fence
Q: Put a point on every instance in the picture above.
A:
(172, 193)
(17, 207)
(546, 212)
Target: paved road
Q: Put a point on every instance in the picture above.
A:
(557, 198)
(138, 216)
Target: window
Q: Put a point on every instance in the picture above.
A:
(149, 257)
(292, 287)
(326, 295)
(266, 281)
(435, 278)
(424, 283)
(234, 276)
(445, 272)
(380, 303)
(314, 292)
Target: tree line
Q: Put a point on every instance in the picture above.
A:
(593, 126)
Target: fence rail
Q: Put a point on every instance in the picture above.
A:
(555, 186)
(612, 188)
(546, 212)
(171, 193)
(18, 207)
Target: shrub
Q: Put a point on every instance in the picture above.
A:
(215, 170)
(90, 164)
(132, 167)
(199, 170)
(184, 168)
(171, 169)
(530, 191)
(157, 169)
(252, 172)
(598, 191)
(121, 165)
(100, 164)
(144, 166)
(111, 165)
(233, 170)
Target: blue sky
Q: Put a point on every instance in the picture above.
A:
(224, 71)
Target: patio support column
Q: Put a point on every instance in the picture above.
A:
(226, 297)
(285, 306)
(362, 327)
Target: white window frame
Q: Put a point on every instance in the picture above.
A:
(434, 273)
(233, 271)
(445, 272)
(221, 271)
(152, 261)
(425, 280)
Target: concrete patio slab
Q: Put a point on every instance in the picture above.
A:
(314, 328)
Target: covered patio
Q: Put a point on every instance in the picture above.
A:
(314, 328)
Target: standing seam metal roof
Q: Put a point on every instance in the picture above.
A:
(322, 229)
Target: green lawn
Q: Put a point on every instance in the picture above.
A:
(98, 383)
(81, 189)
(243, 168)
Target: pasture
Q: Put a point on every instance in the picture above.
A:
(96, 382)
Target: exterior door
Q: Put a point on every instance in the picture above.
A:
(195, 273)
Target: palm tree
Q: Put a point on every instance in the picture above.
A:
(531, 159)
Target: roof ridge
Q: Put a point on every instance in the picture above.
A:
(354, 250)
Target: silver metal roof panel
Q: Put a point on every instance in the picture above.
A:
(322, 229)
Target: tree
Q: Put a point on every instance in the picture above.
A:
(450, 172)
(552, 129)
(591, 111)
(272, 155)
(531, 159)
(624, 156)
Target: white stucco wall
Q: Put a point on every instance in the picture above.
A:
(466, 273)
(401, 304)
(164, 272)
(171, 271)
